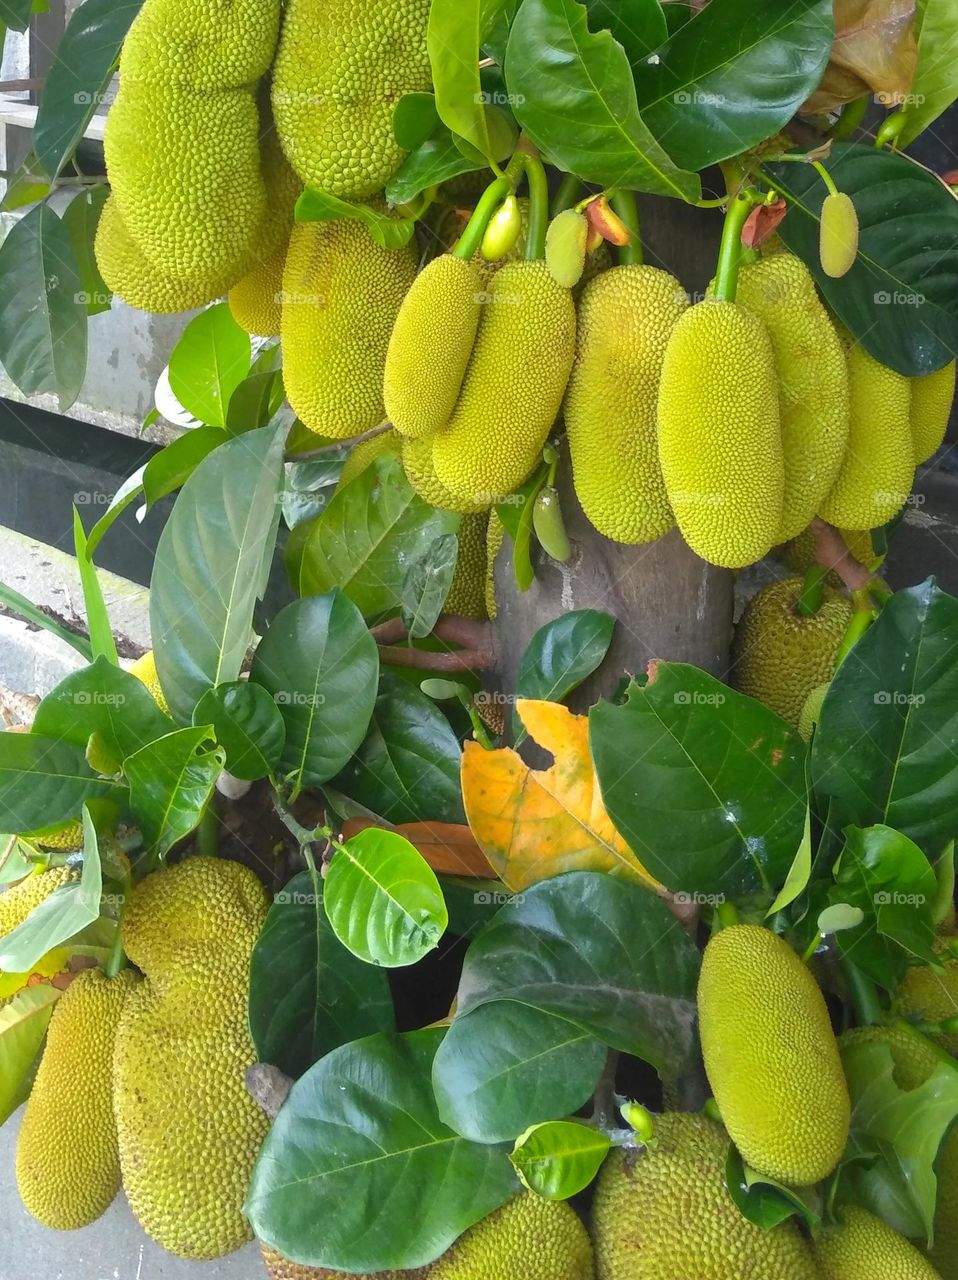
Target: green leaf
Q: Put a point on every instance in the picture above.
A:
(427, 584)
(507, 1065)
(799, 873)
(75, 85)
(734, 76)
(81, 218)
(415, 119)
(258, 397)
(705, 784)
(561, 655)
(407, 767)
(248, 726)
(367, 535)
(388, 231)
(838, 918)
(321, 667)
(43, 324)
(44, 781)
(457, 29)
(308, 994)
(19, 604)
(16, 14)
(877, 754)
(762, 1201)
(574, 94)
(23, 1024)
(383, 900)
(380, 1182)
(97, 618)
(601, 952)
(171, 781)
(209, 362)
(638, 25)
(28, 184)
(516, 516)
(436, 160)
(899, 299)
(935, 86)
(105, 700)
(559, 1159)
(212, 565)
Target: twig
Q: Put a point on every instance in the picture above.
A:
(424, 660)
(268, 1087)
(832, 551)
(603, 1100)
(322, 450)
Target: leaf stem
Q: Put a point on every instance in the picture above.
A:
(624, 204)
(117, 958)
(489, 202)
(859, 623)
(567, 194)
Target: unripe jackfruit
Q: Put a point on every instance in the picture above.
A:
(876, 474)
(931, 401)
(494, 541)
(280, 1268)
(666, 1212)
(365, 453)
(417, 460)
(625, 318)
(720, 440)
(779, 656)
(68, 1169)
(144, 668)
(839, 234)
(188, 1131)
(931, 996)
(467, 593)
(865, 1248)
(771, 1057)
(513, 388)
(206, 44)
(430, 346)
(340, 70)
(814, 398)
(530, 1237)
(17, 902)
(811, 712)
(341, 295)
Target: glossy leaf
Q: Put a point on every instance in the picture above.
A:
(762, 1201)
(308, 994)
(44, 781)
(389, 231)
(383, 900)
(935, 86)
(97, 619)
(435, 161)
(171, 781)
(16, 14)
(562, 654)
(23, 1025)
(359, 1173)
(517, 519)
(799, 873)
(449, 848)
(559, 1159)
(456, 32)
(427, 584)
(105, 700)
(638, 25)
(248, 726)
(415, 119)
(81, 218)
(24, 608)
(208, 363)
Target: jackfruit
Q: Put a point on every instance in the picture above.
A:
(814, 398)
(666, 1213)
(771, 1057)
(811, 712)
(365, 453)
(567, 241)
(513, 388)
(417, 461)
(778, 656)
(68, 1169)
(430, 346)
(720, 440)
(494, 541)
(340, 70)
(625, 318)
(502, 231)
(944, 1252)
(839, 233)
(145, 671)
(598, 260)
(876, 474)
(205, 45)
(865, 1248)
(467, 593)
(341, 295)
(931, 401)
(530, 1237)
(188, 1131)
(17, 902)
(930, 996)
(280, 1268)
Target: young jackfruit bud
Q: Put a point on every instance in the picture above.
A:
(637, 1118)
(838, 244)
(608, 223)
(566, 243)
(549, 525)
(503, 230)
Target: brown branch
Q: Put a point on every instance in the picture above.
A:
(19, 86)
(268, 1087)
(390, 632)
(338, 444)
(831, 550)
(424, 660)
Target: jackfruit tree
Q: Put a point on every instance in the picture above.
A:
(451, 891)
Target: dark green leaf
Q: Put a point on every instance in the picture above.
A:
(97, 618)
(28, 184)
(560, 1158)
(248, 726)
(16, 14)
(601, 952)
(562, 654)
(81, 217)
(437, 160)
(308, 994)
(359, 1173)
(43, 323)
(321, 666)
(761, 1201)
(44, 781)
(638, 25)
(208, 363)
(427, 584)
(415, 119)
(171, 781)
(507, 1065)
(935, 86)
(254, 402)
(105, 700)
(516, 516)
(390, 232)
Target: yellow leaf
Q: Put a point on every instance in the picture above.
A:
(533, 824)
(875, 50)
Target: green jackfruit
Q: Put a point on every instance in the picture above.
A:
(567, 241)
(625, 318)
(418, 463)
(513, 388)
(280, 1268)
(68, 1169)
(494, 541)
(778, 656)
(811, 711)
(144, 668)
(467, 594)
(720, 440)
(431, 344)
(203, 45)
(931, 400)
(599, 260)
(529, 1237)
(876, 474)
(340, 70)
(838, 241)
(187, 1129)
(666, 1213)
(366, 452)
(814, 398)
(341, 295)
(865, 1248)
(19, 900)
(930, 996)
(771, 1057)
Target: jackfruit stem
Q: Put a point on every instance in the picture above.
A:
(489, 202)
(567, 196)
(623, 202)
(862, 992)
(860, 621)
(538, 206)
(851, 117)
(117, 957)
(826, 177)
(208, 830)
(724, 915)
(726, 272)
(813, 591)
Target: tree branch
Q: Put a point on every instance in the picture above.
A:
(477, 641)
(832, 551)
(424, 660)
(322, 450)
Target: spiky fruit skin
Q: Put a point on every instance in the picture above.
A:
(341, 295)
(596, 262)
(280, 1268)
(566, 242)
(944, 1252)
(720, 440)
(814, 398)
(68, 1168)
(811, 711)
(931, 996)
(771, 1057)
(626, 316)
(529, 1237)
(876, 474)
(188, 1131)
(865, 1248)
(838, 245)
(494, 540)
(205, 45)
(778, 656)
(430, 346)
(365, 453)
(340, 70)
(932, 398)
(418, 463)
(17, 902)
(145, 671)
(666, 1214)
(513, 388)
(255, 301)
(467, 593)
